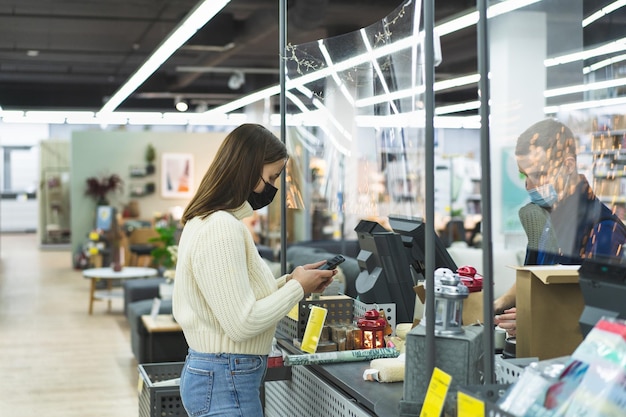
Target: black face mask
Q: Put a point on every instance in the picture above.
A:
(264, 198)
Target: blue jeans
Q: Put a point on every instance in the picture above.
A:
(222, 384)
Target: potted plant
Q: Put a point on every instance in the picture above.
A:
(150, 156)
(163, 254)
(100, 187)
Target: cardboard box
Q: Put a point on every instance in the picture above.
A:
(549, 304)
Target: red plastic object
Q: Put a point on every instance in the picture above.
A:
(470, 278)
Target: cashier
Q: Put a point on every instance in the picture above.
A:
(570, 221)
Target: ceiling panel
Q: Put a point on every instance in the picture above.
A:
(73, 54)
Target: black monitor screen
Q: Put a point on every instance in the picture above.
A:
(385, 275)
(603, 286)
(412, 230)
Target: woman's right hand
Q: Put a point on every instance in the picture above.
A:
(312, 279)
(507, 321)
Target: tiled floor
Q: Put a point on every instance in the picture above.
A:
(55, 359)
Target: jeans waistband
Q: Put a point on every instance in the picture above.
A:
(218, 357)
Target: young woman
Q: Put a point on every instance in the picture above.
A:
(225, 297)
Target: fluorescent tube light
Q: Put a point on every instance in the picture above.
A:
(197, 17)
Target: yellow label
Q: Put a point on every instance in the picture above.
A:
(469, 406)
(313, 329)
(140, 384)
(436, 394)
(293, 314)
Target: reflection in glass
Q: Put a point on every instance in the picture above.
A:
(357, 151)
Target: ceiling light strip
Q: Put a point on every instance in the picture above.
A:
(379, 72)
(585, 105)
(327, 113)
(226, 70)
(608, 9)
(471, 18)
(197, 17)
(456, 108)
(508, 6)
(604, 63)
(296, 100)
(618, 82)
(416, 119)
(312, 118)
(417, 90)
(408, 42)
(317, 75)
(611, 47)
(329, 62)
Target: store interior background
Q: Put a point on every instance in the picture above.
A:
(361, 159)
(524, 89)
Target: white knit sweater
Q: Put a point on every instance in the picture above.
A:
(225, 297)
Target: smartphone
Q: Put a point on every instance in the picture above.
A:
(332, 263)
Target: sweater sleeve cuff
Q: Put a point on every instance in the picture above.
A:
(295, 289)
(283, 280)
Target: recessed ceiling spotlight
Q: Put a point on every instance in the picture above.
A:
(32, 52)
(236, 80)
(181, 105)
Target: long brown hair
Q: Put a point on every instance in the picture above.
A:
(236, 170)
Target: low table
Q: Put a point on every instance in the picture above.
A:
(159, 325)
(109, 275)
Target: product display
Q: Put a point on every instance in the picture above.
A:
(386, 370)
(591, 382)
(337, 357)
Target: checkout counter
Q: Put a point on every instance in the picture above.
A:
(335, 389)
(338, 389)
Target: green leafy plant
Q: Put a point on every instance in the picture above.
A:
(456, 212)
(150, 154)
(164, 254)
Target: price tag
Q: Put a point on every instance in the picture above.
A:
(293, 313)
(156, 306)
(140, 385)
(313, 329)
(436, 394)
(469, 406)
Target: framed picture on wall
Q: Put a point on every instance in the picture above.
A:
(177, 175)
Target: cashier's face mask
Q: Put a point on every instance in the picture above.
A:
(264, 198)
(543, 196)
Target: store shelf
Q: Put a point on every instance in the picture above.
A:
(607, 167)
